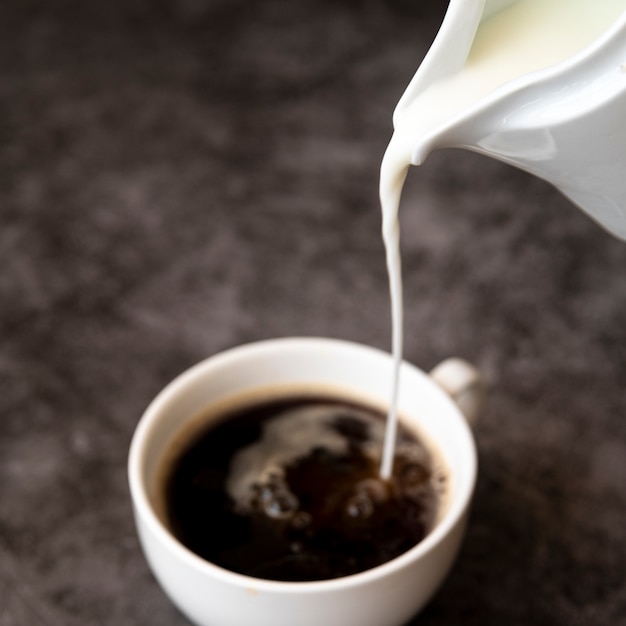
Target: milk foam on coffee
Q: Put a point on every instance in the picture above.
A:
(527, 36)
(292, 435)
(289, 436)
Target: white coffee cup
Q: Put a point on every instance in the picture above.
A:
(387, 595)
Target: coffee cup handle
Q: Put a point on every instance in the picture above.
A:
(463, 383)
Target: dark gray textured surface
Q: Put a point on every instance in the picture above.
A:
(180, 176)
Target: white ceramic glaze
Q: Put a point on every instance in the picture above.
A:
(384, 596)
(564, 124)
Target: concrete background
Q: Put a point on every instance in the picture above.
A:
(181, 176)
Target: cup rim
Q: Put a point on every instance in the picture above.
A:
(145, 510)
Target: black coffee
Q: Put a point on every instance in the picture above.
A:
(288, 489)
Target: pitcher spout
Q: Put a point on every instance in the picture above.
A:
(562, 122)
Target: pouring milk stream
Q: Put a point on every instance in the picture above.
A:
(539, 84)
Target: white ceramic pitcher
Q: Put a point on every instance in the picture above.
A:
(565, 124)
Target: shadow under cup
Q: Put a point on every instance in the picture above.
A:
(387, 595)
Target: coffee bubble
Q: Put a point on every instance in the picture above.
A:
(376, 489)
(359, 507)
(275, 499)
(413, 475)
(301, 520)
(280, 506)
